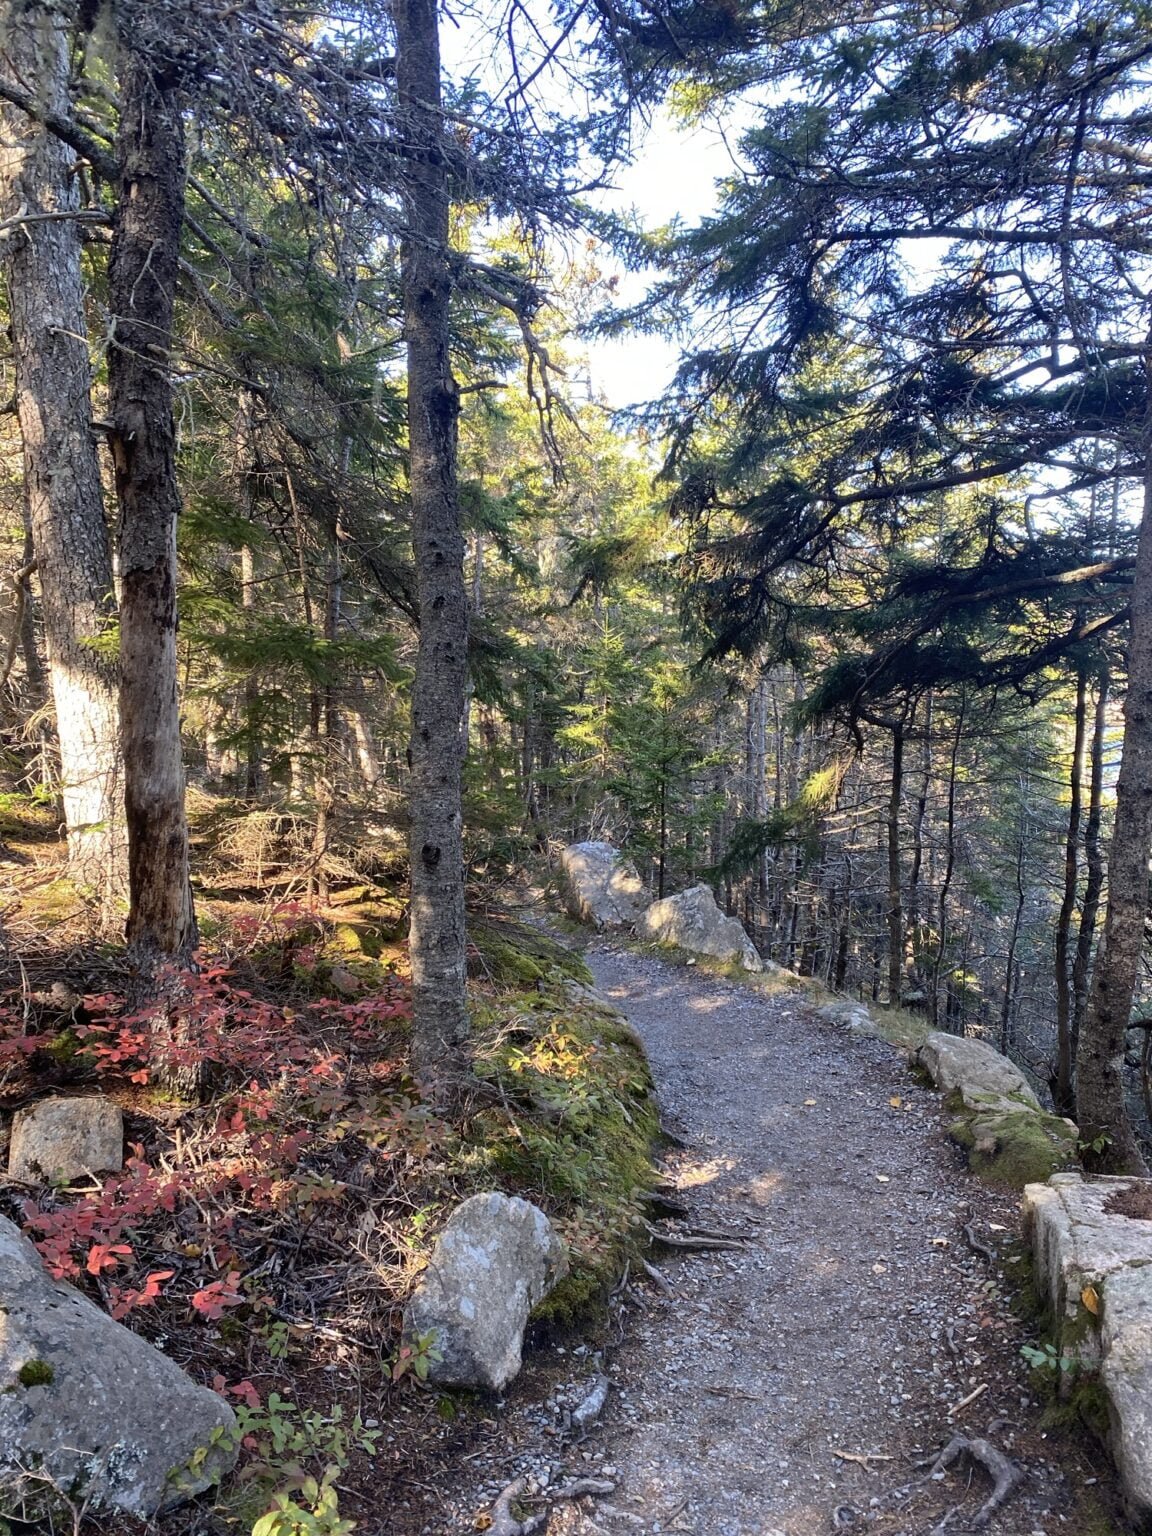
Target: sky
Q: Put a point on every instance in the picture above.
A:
(673, 175)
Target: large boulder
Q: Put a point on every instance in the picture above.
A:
(59, 1140)
(89, 1408)
(1093, 1267)
(984, 1080)
(496, 1259)
(694, 922)
(601, 887)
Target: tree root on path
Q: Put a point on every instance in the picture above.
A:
(505, 1523)
(1006, 1476)
(696, 1242)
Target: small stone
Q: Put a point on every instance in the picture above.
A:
(59, 1140)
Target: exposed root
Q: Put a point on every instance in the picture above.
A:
(694, 1242)
(1006, 1475)
(505, 1523)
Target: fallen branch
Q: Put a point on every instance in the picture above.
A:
(971, 1398)
(1006, 1475)
(861, 1458)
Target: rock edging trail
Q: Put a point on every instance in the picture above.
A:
(803, 1382)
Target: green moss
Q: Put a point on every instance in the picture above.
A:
(1014, 1148)
(574, 1133)
(506, 953)
(36, 1373)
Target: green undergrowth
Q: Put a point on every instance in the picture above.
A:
(573, 1131)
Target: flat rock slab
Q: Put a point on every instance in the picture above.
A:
(984, 1079)
(1077, 1244)
(496, 1259)
(601, 886)
(98, 1409)
(694, 922)
(59, 1140)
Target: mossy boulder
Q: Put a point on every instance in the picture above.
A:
(1014, 1145)
(507, 953)
(574, 1132)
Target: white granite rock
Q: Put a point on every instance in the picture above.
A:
(59, 1140)
(601, 886)
(986, 1080)
(694, 922)
(93, 1406)
(496, 1259)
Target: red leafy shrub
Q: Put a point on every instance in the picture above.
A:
(300, 1094)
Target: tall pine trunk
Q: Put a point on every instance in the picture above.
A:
(1063, 1079)
(437, 937)
(1110, 1143)
(895, 898)
(141, 289)
(41, 263)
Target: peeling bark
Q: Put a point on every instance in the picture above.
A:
(41, 265)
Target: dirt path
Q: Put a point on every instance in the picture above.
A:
(857, 1320)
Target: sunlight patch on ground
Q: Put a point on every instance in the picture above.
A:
(693, 1175)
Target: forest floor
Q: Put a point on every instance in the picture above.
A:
(799, 1384)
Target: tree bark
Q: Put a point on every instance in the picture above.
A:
(1109, 1142)
(895, 898)
(437, 936)
(141, 288)
(1094, 865)
(1063, 1079)
(41, 262)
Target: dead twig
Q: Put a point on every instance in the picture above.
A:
(862, 1458)
(971, 1398)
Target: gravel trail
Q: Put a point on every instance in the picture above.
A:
(790, 1388)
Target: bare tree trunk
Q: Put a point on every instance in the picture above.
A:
(949, 866)
(437, 941)
(914, 936)
(141, 288)
(895, 901)
(1094, 865)
(1063, 1079)
(41, 263)
(1110, 1143)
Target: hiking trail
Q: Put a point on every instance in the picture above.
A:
(802, 1382)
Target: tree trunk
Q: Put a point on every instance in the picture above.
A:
(141, 288)
(949, 866)
(437, 938)
(895, 901)
(41, 262)
(1063, 1079)
(1110, 1143)
(1094, 865)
